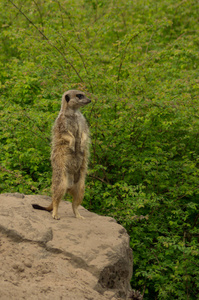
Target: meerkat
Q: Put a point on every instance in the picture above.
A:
(69, 154)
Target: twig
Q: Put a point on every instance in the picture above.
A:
(98, 178)
(41, 17)
(69, 17)
(124, 52)
(48, 41)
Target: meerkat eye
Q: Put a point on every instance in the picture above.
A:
(80, 96)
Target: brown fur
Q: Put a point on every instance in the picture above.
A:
(70, 151)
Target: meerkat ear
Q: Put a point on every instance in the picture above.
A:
(67, 98)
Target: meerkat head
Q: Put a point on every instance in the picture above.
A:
(74, 99)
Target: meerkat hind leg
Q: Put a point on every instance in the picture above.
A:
(78, 194)
(55, 209)
(58, 192)
(76, 212)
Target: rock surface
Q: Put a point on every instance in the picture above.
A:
(42, 258)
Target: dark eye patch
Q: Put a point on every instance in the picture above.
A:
(80, 96)
(67, 98)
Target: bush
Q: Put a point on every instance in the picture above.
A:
(138, 60)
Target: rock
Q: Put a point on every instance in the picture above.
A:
(43, 258)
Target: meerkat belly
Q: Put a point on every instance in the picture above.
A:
(73, 162)
(75, 158)
(63, 157)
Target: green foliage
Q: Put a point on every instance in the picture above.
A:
(139, 60)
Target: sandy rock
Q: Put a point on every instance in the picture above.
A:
(43, 258)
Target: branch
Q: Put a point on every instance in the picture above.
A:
(69, 17)
(36, 4)
(196, 219)
(124, 52)
(84, 66)
(46, 38)
(98, 178)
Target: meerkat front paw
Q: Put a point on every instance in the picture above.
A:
(72, 146)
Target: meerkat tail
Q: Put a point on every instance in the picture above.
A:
(49, 208)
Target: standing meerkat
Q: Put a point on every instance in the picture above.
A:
(70, 151)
